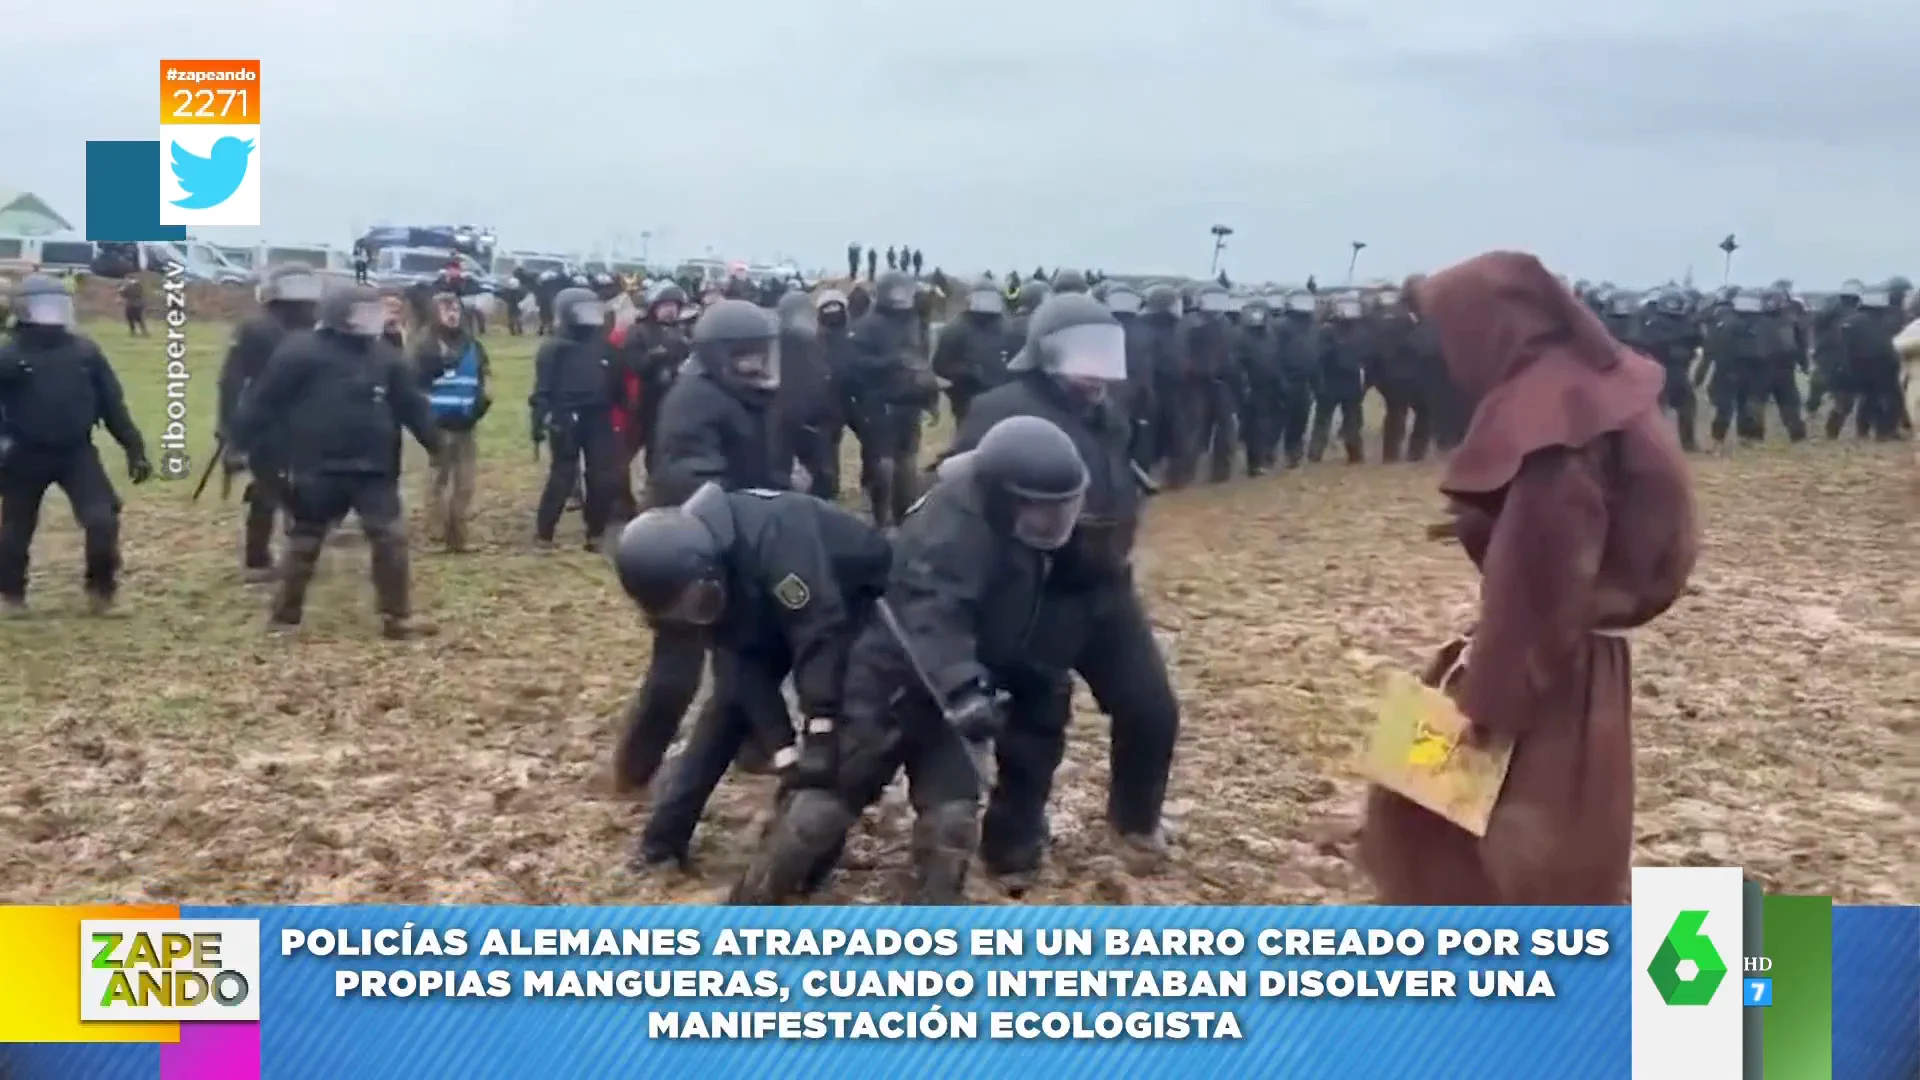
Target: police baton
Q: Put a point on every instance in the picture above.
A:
(980, 750)
(213, 462)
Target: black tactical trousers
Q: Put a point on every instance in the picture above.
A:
(1679, 397)
(1102, 635)
(1296, 413)
(672, 680)
(1261, 427)
(890, 459)
(1735, 394)
(315, 505)
(1404, 403)
(885, 726)
(24, 480)
(265, 499)
(581, 445)
(1349, 404)
(746, 705)
(1780, 387)
(816, 447)
(1206, 423)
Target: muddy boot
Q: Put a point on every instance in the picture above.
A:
(456, 538)
(296, 573)
(812, 824)
(1142, 854)
(543, 544)
(260, 575)
(391, 585)
(99, 603)
(943, 841)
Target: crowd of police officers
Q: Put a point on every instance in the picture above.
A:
(940, 634)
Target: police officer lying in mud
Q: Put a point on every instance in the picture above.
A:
(334, 399)
(55, 385)
(936, 674)
(778, 583)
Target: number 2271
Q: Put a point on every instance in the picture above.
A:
(226, 99)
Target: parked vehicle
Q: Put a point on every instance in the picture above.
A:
(29, 253)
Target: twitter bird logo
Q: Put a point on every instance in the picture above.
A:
(211, 180)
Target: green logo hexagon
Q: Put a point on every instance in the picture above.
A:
(1686, 942)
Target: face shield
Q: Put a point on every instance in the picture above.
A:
(367, 319)
(1875, 298)
(1390, 299)
(1216, 303)
(1087, 359)
(665, 311)
(754, 363)
(987, 302)
(1347, 307)
(587, 313)
(294, 288)
(1046, 524)
(1748, 304)
(1301, 303)
(1122, 302)
(47, 309)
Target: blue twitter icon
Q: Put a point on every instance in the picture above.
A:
(211, 180)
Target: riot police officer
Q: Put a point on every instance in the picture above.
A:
(779, 583)
(973, 350)
(836, 342)
(1256, 351)
(1668, 333)
(571, 411)
(1733, 366)
(807, 399)
(718, 423)
(942, 668)
(1399, 375)
(1136, 396)
(289, 297)
(892, 391)
(1300, 350)
(340, 396)
(1345, 352)
(55, 385)
(1783, 356)
(1207, 400)
(1092, 621)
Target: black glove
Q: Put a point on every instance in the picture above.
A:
(539, 430)
(139, 468)
(819, 760)
(977, 716)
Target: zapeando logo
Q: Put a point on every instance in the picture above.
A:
(1686, 945)
(211, 180)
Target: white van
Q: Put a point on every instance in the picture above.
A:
(201, 261)
(22, 254)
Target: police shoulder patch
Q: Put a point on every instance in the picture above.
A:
(792, 593)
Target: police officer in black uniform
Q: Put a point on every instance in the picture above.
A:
(339, 397)
(1136, 396)
(718, 422)
(892, 391)
(512, 292)
(572, 412)
(940, 671)
(1093, 621)
(1257, 351)
(1166, 344)
(779, 583)
(973, 350)
(1298, 332)
(807, 400)
(1345, 354)
(55, 385)
(1207, 401)
(1668, 333)
(836, 343)
(289, 297)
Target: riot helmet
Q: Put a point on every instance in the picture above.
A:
(1069, 281)
(739, 343)
(1876, 298)
(41, 301)
(1622, 302)
(796, 314)
(1161, 299)
(1122, 300)
(669, 563)
(1033, 479)
(291, 284)
(986, 299)
(579, 312)
(894, 291)
(1850, 289)
(357, 311)
(1033, 292)
(1254, 315)
(664, 304)
(1302, 302)
(1074, 339)
(1747, 302)
(1346, 307)
(1212, 299)
(1673, 302)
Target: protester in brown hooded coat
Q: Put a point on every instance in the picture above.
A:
(1570, 494)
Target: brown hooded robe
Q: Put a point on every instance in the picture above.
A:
(1571, 496)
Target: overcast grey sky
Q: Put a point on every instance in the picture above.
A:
(1618, 141)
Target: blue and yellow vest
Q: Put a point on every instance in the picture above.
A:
(455, 395)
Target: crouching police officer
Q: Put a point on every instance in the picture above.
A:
(1092, 621)
(340, 395)
(288, 297)
(779, 582)
(936, 674)
(55, 385)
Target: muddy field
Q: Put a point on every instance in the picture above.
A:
(177, 753)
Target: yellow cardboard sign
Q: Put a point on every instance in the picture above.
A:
(1418, 750)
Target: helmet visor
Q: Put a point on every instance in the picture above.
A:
(754, 363)
(1122, 302)
(1088, 351)
(1747, 303)
(1389, 298)
(47, 309)
(1301, 303)
(588, 313)
(300, 288)
(366, 319)
(1347, 308)
(986, 302)
(1218, 303)
(1045, 524)
(699, 604)
(1875, 298)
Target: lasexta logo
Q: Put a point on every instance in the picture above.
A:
(1687, 969)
